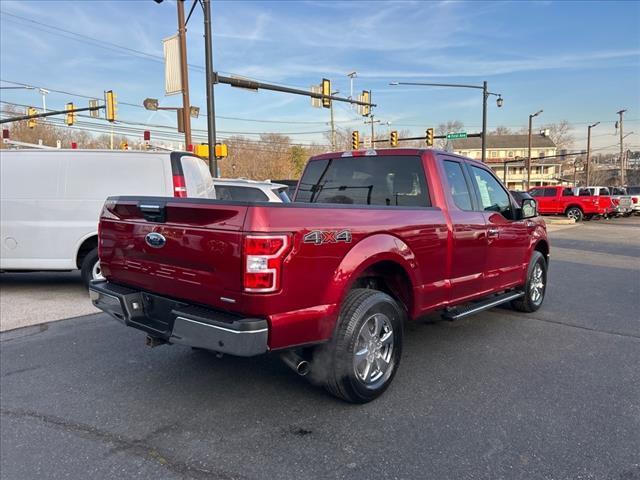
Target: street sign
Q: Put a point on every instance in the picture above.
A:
(453, 136)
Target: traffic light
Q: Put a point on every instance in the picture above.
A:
(31, 123)
(326, 93)
(393, 140)
(111, 106)
(355, 140)
(429, 137)
(71, 116)
(365, 96)
(221, 150)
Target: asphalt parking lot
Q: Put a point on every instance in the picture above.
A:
(502, 395)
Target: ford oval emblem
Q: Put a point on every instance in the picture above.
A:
(155, 240)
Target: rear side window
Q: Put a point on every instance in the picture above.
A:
(197, 177)
(493, 197)
(281, 193)
(242, 194)
(605, 192)
(458, 185)
(393, 181)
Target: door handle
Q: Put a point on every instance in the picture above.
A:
(493, 233)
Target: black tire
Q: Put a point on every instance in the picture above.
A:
(337, 360)
(575, 213)
(90, 265)
(529, 303)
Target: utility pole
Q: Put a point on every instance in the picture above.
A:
(333, 126)
(372, 121)
(622, 159)
(589, 152)
(184, 74)
(485, 95)
(210, 82)
(529, 151)
(351, 76)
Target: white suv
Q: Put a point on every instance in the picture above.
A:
(241, 189)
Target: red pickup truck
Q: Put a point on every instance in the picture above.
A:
(559, 200)
(372, 238)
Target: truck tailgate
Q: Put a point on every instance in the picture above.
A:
(193, 253)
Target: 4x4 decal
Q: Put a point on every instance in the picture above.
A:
(319, 237)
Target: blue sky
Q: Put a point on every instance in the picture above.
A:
(579, 61)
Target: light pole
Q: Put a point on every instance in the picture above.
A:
(529, 151)
(210, 81)
(333, 125)
(589, 151)
(622, 166)
(351, 76)
(485, 95)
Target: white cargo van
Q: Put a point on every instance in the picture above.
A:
(51, 200)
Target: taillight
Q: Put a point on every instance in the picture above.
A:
(179, 187)
(263, 255)
(634, 199)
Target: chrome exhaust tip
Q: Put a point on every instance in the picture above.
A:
(296, 363)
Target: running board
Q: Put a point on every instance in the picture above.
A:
(461, 312)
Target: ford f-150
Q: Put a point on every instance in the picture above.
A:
(559, 200)
(372, 238)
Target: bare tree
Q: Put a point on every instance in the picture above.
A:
(560, 133)
(501, 130)
(445, 128)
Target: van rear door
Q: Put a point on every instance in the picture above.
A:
(191, 177)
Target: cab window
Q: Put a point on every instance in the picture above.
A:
(458, 185)
(493, 198)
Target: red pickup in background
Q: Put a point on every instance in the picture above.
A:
(371, 239)
(559, 200)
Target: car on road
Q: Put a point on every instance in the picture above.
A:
(52, 198)
(621, 202)
(559, 200)
(372, 238)
(634, 193)
(242, 189)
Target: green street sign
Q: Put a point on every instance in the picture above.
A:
(453, 136)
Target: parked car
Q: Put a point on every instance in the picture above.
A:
(619, 199)
(559, 200)
(634, 193)
(242, 189)
(371, 238)
(51, 200)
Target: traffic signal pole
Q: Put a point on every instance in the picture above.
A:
(211, 80)
(255, 85)
(50, 113)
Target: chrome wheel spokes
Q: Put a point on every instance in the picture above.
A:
(374, 349)
(536, 287)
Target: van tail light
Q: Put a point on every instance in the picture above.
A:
(263, 256)
(179, 187)
(634, 199)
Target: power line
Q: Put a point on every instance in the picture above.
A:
(136, 105)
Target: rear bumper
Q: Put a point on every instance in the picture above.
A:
(178, 322)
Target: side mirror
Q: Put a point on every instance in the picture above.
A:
(529, 208)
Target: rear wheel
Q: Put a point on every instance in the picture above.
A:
(574, 213)
(90, 269)
(361, 360)
(535, 287)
